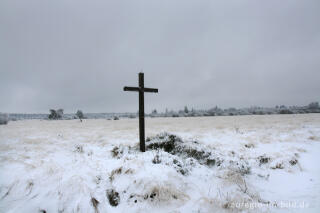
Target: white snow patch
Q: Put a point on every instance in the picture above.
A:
(62, 166)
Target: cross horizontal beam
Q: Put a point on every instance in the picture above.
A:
(150, 90)
(138, 89)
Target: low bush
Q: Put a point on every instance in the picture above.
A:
(4, 119)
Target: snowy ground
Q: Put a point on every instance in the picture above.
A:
(258, 164)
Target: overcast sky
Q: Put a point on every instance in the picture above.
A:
(75, 54)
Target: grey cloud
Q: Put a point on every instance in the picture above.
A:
(80, 54)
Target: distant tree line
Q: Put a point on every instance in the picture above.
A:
(216, 111)
(58, 114)
(185, 112)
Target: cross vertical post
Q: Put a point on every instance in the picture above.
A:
(141, 89)
(141, 113)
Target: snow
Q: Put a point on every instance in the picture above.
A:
(61, 166)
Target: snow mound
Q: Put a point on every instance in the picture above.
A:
(172, 171)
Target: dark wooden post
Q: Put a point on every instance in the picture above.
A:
(141, 89)
(141, 113)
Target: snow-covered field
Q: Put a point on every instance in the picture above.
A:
(224, 164)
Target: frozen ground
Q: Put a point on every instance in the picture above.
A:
(226, 164)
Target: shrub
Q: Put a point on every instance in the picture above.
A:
(4, 119)
(79, 114)
(55, 114)
(175, 146)
(313, 105)
(285, 111)
(132, 116)
(186, 110)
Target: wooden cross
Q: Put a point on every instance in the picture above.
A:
(141, 89)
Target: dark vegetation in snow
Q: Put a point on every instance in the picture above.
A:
(119, 171)
(278, 166)
(152, 195)
(174, 145)
(116, 152)
(95, 204)
(293, 162)
(79, 148)
(156, 159)
(249, 145)
(264, 159)
(113, 197)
